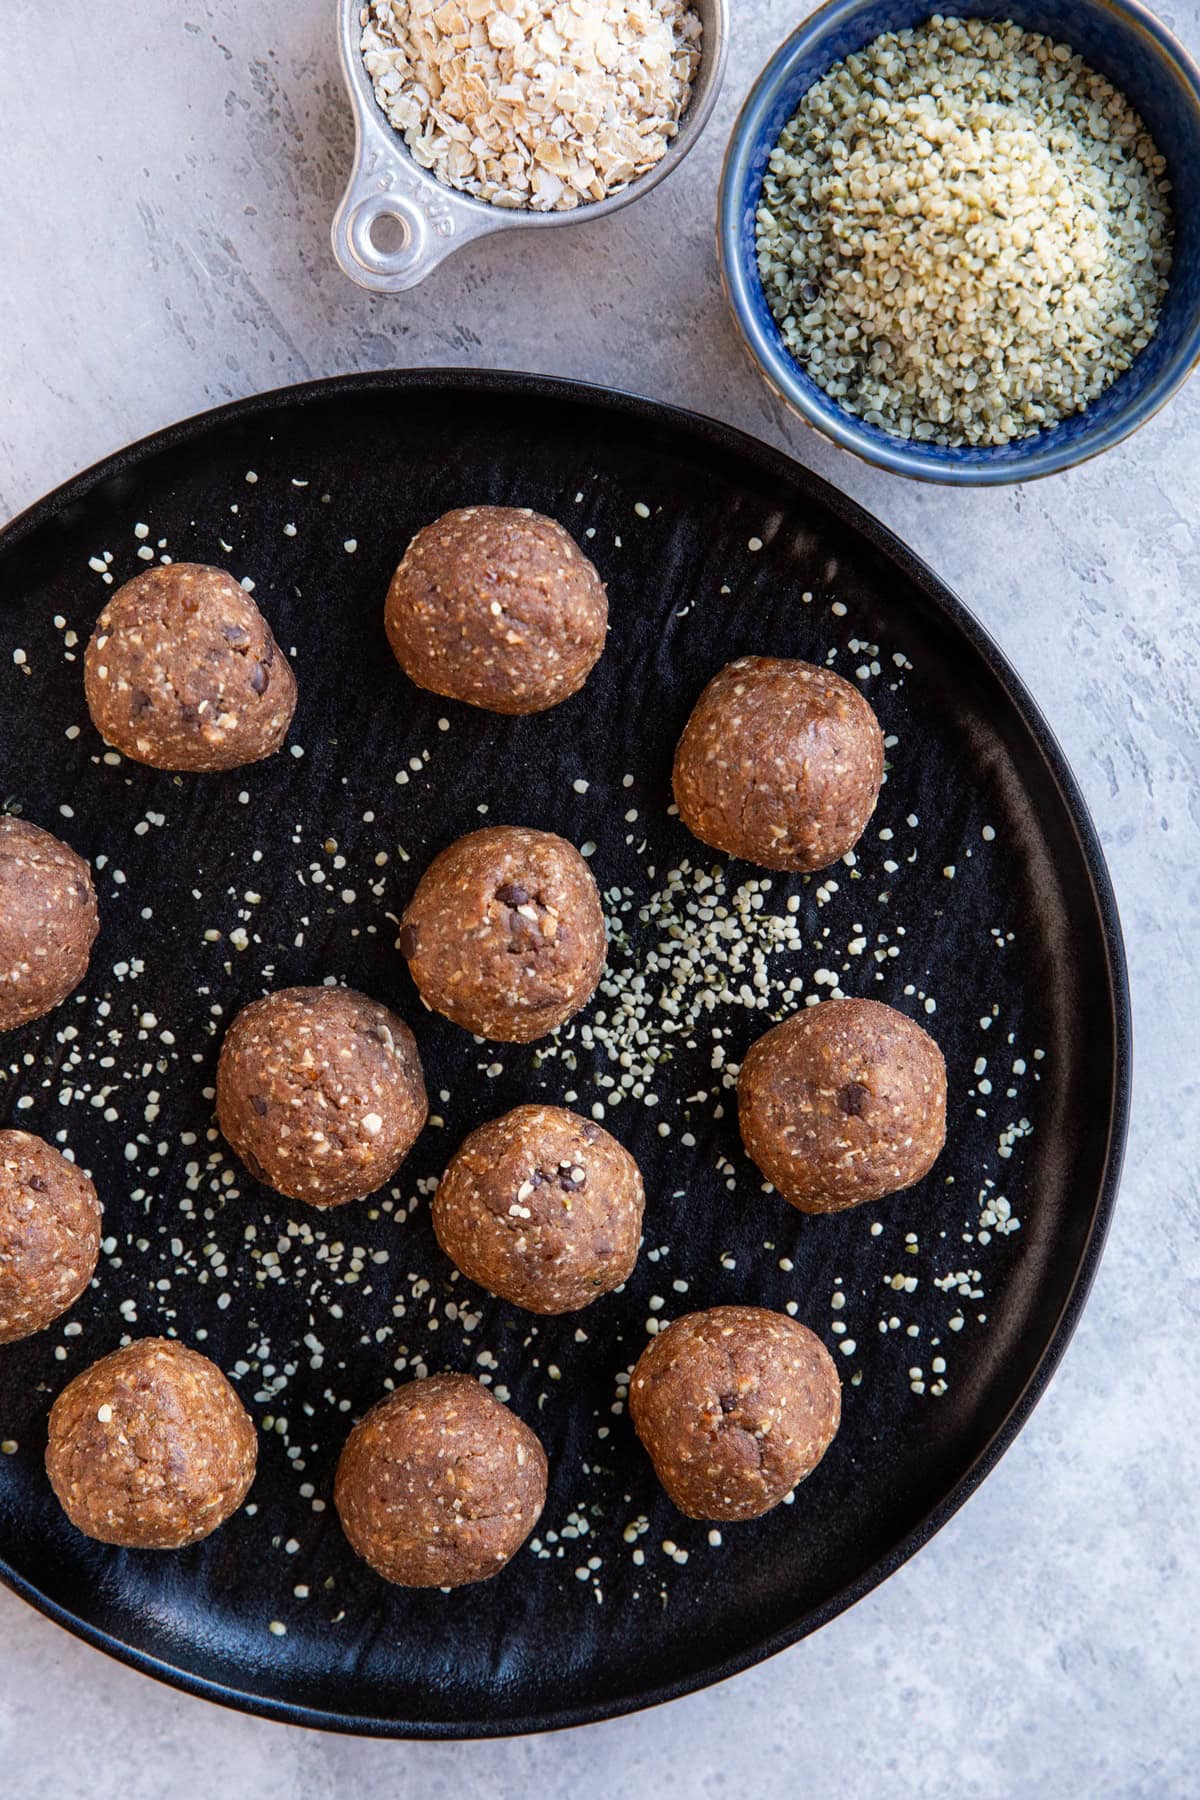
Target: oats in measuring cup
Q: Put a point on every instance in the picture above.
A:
(543, 104)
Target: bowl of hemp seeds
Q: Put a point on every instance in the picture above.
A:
(967, 247)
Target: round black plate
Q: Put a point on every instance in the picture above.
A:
(979, 903)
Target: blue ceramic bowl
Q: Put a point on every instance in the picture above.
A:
(1141, 58)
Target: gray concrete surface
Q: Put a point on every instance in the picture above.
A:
(167, 173)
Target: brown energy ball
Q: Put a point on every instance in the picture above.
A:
(48, 921)
(735, 1406)
(543, 1208)
(182, 672)
(49, 1234)
(505, 934)
(781, 762)
(844, 1102)
(150, 1448)
(440, 1484)
(499, 607)
(321, 1093)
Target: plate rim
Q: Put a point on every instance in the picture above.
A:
(782, 466)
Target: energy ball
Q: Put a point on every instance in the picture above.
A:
(182, 672)
(843, 1103)
(440, 1484)
(735, 1407)
(321, 1093)
(150, 1448)
(542, 1208)
(49, 1234)
(781, 763)
(505, 933)
(498, 607)
(48, 921)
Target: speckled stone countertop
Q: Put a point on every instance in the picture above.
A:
(168, 173)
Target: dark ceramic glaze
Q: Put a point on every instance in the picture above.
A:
(534, 1648)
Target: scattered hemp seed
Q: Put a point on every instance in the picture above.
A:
(703, 956)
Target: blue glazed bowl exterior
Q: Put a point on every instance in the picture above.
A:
(1141, 58)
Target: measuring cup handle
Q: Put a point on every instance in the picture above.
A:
(428, 229)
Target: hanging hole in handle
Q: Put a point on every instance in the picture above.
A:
(387, 235)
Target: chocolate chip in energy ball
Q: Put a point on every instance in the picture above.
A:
(780, 763)
(440, 1484)
(497, 606)
(182, 672)
(542, 1208)
(505, 933)
(48, 921)
(321, 1093)
(735, 1406)
(843, 1103)
(150, 1448)
(49, 1234)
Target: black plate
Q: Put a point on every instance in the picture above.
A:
(709, 543)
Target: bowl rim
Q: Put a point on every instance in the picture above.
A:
(904, 456)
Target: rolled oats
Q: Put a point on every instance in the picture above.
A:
(538, 104)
